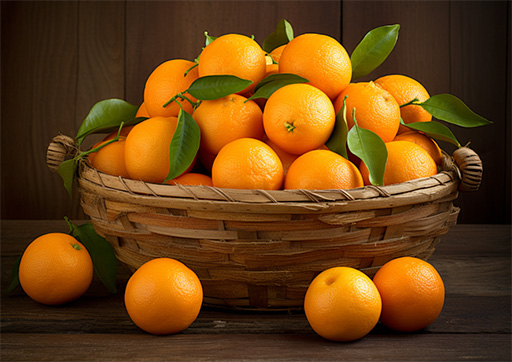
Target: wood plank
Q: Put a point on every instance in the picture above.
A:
(101, 62)
(106, 314)
(476, 240)
(479, 59)
(62, 57)
(39, 66)
(290, 347)
(420, 54)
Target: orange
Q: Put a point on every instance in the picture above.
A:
(55, 269)
(298, 118)
(146, 152)
(227, 119)
(322, 170)
(406, 161)
(167, 80)
(285, 157)
(234, 54)
(274, 55)
(142, 111)
(247, 163)
(424, 141)
(110, 159)
(163, 296)
(376, 109)
(320, 59)
(412, 293)
(192, 178)
(342, 304)
(404, 89)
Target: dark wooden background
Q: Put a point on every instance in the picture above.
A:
(58, 58)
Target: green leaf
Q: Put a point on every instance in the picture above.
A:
(184, 145)
(448, 108)
(102, 254)
(106, 115)
(209, 39)
(67, 171)
(273, 82)
(15, 280)
(373, 50)
(371, 149)
(337, 142)
(282, 35)
(212, 87)
(435, 130)
(289, 77)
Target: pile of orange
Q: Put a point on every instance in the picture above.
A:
(164, 296)
(274, 143)
(343, 304)
(279, 142)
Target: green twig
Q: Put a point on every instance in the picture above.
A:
(181, 96)
(96, 149)
(415, 100)
(192, 67)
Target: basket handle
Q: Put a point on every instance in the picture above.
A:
(471, 168)
(61, 147)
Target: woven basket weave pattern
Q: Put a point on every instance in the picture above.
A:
(259, 250)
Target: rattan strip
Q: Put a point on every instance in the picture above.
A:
(423, 190)
(260, 196)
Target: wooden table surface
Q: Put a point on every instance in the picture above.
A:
(473, 260)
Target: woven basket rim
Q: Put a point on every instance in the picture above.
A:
(183, 196)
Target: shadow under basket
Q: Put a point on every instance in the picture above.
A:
(259, 250)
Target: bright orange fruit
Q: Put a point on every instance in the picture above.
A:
(55, 269)
(321, 170)
(319, 58)
(342, 304)
(163, 296)
(412, 293)
(298, 118)
(247, 163)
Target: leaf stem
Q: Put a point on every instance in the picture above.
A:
(289, 126)
(192, 67)
(415, 100)
(96, 149)
(170, 100)
(194, 104)
(181, 96)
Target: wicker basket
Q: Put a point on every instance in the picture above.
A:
(256, 249)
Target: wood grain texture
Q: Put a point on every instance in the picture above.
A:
(248, 347)
(422, 50)
(478, 68)
(473, 260)
(101, 54)
(39, 68)
(59, 58)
